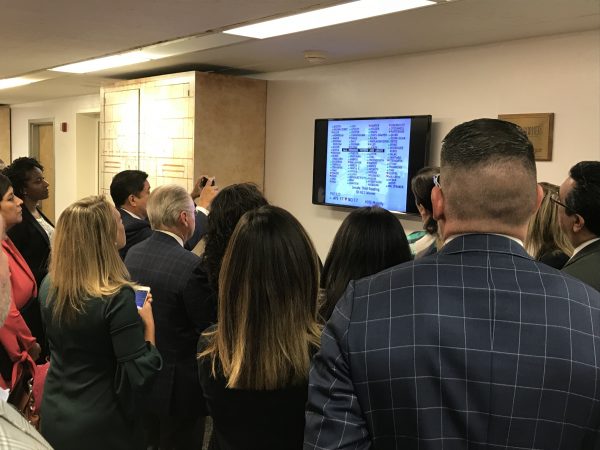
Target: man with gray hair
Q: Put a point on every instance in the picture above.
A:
(181, 313)
(478, 346)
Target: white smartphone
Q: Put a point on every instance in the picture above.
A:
(141, 294)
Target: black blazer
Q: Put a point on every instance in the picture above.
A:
(137, 230)
(32, 241)
(181, 313)
(477, 346)
(585, 265)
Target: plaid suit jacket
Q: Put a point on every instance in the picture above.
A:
(182, 310)
(476, 347)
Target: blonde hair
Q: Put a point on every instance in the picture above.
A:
(267, 318)
(543, 232)
(84, 262)
(165, 203)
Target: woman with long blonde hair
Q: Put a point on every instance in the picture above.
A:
(102, 348)
(254, 363)
(545, 240)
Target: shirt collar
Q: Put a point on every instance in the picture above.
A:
(131, 214)
(512, 238)
(173, 235)
(585, 244)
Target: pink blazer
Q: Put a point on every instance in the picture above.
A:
(15, 335)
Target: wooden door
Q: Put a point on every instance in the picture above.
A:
(43, 149)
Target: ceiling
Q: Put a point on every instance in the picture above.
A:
(36, 35)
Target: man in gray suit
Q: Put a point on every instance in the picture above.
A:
(579, 215)
(182, 310)
(478, 346)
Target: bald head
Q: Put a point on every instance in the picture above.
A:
(488, 176)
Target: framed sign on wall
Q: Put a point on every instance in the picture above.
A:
(539, 128)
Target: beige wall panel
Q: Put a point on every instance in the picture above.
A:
(230, 128)
(5, 134)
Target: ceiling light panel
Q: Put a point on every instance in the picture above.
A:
(107, 62)
(347, 12)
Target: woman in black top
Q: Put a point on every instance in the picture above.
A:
(254, 363)
(32, 236)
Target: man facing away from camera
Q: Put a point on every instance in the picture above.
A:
(478, 346)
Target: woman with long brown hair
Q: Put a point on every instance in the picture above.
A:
(102, 351)
(254, 363)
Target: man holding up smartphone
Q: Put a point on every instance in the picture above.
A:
(130, 189)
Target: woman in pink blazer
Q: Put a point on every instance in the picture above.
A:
(18, 346)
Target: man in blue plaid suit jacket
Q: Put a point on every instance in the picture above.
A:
(182, 310)
(476, 347)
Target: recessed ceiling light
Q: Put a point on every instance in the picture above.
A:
(347, 12)
(106, 62)
(14, 82)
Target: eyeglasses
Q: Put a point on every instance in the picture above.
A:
(436, 180)
(556, 199)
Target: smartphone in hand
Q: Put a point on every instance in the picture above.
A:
(141, 294)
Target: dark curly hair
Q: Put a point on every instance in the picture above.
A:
(421, 186)
(17, 173)
(227, 207)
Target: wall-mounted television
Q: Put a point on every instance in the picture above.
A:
(369, 161)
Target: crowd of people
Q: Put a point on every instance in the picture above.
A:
(482, 336)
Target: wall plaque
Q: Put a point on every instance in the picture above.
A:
(539, 128)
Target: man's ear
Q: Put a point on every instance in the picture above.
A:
(538, 200)
(437, 203)
(578, 223)
(131, 200)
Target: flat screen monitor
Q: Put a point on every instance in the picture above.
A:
(369, 161)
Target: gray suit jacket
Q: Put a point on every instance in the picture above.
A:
(585, 265)
(477, 346)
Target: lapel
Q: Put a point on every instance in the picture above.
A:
(28, 218)
(490, 243)
(8, 245)
(587, 250)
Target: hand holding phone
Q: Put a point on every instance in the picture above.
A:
(141, 294)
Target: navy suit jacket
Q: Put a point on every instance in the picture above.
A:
(137, 230)
(585, 265)
(32, 241)
(477, 346)
(181, 312)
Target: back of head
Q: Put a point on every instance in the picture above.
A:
(421, 186)
(231, 203)
(369, 240)
(18, 170)
(165, 203)
(584, 198)
(268, 290)
(488, 175)
(84, 261)
(543, 232)
(126, 183)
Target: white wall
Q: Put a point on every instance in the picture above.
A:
(559, 74)
(58, 111)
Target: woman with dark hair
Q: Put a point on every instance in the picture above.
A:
(102, 348)
(421, 186)
(253, 365)
(369, 240)
(226, 209)
(20, 347)
(32, 236)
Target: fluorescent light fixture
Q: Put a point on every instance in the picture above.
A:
(8, 83)
(106, 62)
(347, 12)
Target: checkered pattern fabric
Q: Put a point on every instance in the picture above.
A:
(476, 347)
